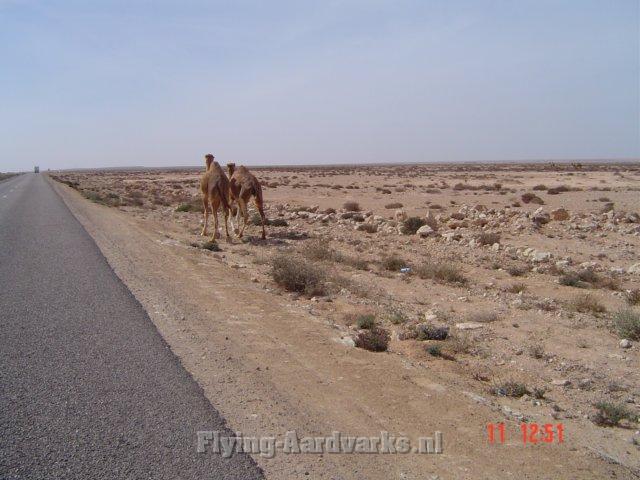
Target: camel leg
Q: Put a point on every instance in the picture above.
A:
(233, 228)
(214, 208)
(238, 215)
(245, 215)
(260, 208)
(205, 213)
(226, 224)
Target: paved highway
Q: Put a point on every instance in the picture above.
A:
(88, 388)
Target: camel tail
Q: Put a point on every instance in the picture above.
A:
(257, 192)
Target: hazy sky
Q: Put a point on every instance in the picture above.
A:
(110, 83)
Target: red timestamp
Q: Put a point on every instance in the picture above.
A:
(533, 433)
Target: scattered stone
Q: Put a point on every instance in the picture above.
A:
(625, 343)
(635, 268)
(561, 382)
(348, 341)
(426, 231)
(540, 217)
(469, 326)
(538, 257)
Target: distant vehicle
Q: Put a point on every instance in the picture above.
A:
(36, 169)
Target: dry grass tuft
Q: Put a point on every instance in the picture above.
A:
(352, 206)
(374, 340)
(627, 323)
(441, 272)
(297, 275)
(587, 304)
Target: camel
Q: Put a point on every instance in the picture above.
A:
(242, 186)
(214, 185)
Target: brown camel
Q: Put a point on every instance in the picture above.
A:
(242, 186)
(214, 185)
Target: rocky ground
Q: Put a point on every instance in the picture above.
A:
(519, 283)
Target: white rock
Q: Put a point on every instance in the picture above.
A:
(561, 383)
(426, 231)
(540, 256)
(625, 343)
(635, 268)
(469, 326)
(348, 341)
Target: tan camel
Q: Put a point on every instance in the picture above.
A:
(214, 185)
(242, 186)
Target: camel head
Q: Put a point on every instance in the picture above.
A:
(231, 167)
(208, 158)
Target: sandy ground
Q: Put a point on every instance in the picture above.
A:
(273, 361)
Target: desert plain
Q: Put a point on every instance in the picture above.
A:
(401, 298)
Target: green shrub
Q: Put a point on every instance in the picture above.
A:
(441, 272)
(185, 207)
(366, 321)
(296, 275)
(610, 414)
(393, 263)
(211, 245)
(374, 340)
(588, 304)
(510, 389)
(352, 206)
(412, 224)
(627, 323)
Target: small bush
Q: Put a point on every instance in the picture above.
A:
(93, 196)
(431, 332)
(517, 271)
(531, 198)
(588, 304)
(366, 321)
(461, 343)
(441, 272)
(510, 389)
(434, 350)
(393, 205)
(557, 190)
(398, 317)
(540, 187)
(610, 414)
(487, 238)
(352, 206)
(393, 263)
(633, 297)
(211, 245)
(516, 288)
(536, 351)
(412, 224)
(374, 340)
(355, 262)
(278, 222)
(482, 317)
(319, 249)
(586, 278)
(627, 323)
(184, 207)
(368, 227)
(296, 275)
(571, 279)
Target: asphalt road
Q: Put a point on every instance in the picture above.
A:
(88, 388)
